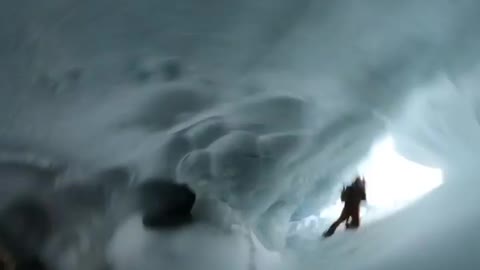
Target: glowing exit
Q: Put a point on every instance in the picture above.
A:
(393, 182)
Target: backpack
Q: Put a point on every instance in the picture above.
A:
(344, 195)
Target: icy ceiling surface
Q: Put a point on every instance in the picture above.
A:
(262, 107)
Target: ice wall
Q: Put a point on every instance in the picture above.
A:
(263, 106)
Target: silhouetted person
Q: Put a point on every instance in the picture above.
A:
(352, 195)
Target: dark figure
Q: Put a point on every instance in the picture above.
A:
(352, 195)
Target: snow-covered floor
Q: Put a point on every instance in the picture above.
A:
(433, 234)
(263, 107)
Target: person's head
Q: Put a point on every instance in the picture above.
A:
(359, 181)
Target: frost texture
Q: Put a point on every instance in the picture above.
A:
(262, 107)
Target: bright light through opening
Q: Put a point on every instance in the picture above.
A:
(393, 182)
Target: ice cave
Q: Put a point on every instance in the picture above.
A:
(217, 134)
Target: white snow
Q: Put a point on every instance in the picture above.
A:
(276, 104)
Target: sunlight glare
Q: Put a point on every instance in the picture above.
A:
(392, 182)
